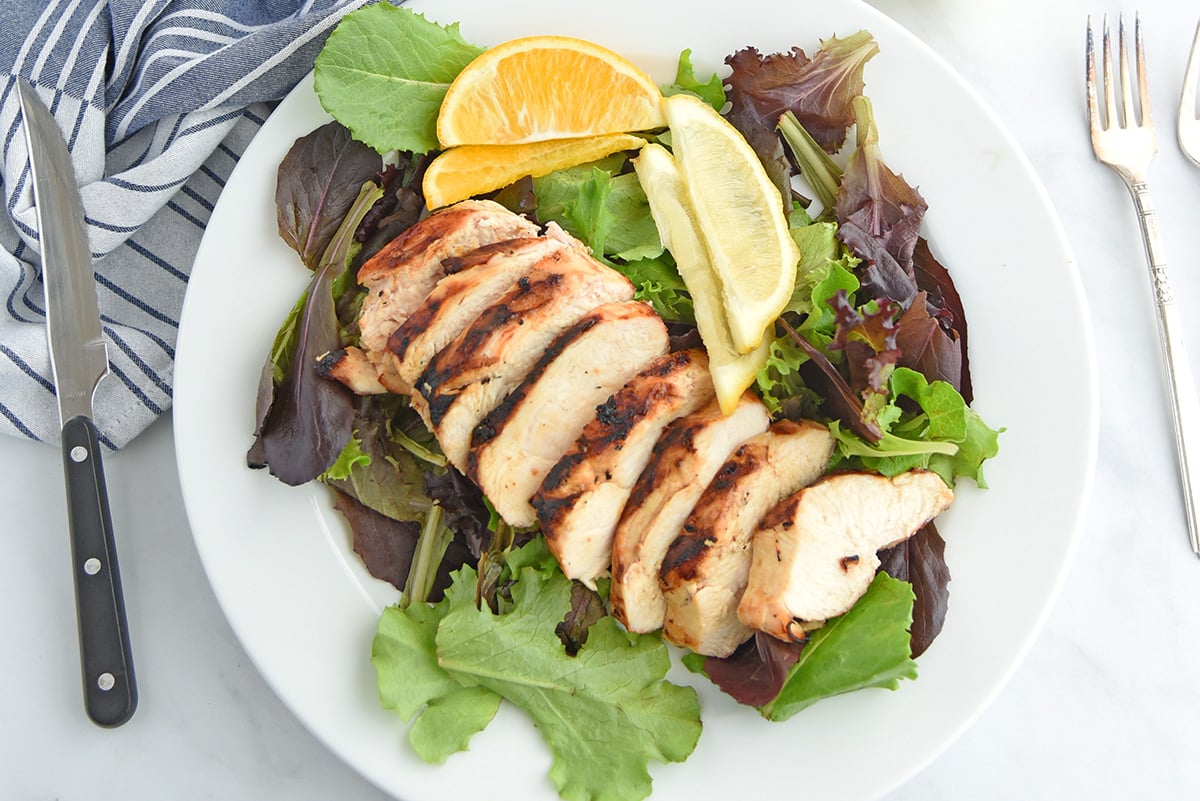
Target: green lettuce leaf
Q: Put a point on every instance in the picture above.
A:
(602, 206)
(605, 712)
(866, 647)
(946, 435)
(352, 454)
(657, 282)
(605, 207)
(383, 73)
(711, 91)
(412, 683)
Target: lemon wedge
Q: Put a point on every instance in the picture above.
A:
(732, 372)
(739, 216)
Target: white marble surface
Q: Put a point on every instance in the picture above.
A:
(1105, 707)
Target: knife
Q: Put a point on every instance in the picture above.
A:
(79, 358)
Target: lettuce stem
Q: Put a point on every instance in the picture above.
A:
(822, 174)
(431, 547)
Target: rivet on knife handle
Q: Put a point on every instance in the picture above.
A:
(109, 688)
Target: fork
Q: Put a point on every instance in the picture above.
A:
(1188, 128)
(1128, 144)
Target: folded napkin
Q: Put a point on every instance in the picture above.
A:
(157, 99)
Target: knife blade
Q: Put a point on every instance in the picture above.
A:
(79, 359)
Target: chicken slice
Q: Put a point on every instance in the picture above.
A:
(580, 502)
(351, 367)
(456, 300)
(404, 271)
(815, 553)
(682, 464)
(522, 438)
(487, 361)
(706, 568)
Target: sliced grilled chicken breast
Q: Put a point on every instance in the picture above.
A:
(352, 369)
(705, 569)
(816, 553)
(681, 466)
(581, 499)
(457, 299)
(522, 438)
(475, 372)
(404, 271)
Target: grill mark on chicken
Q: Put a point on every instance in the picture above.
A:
(403, 272)
(616, 418)
(684, 462)
(351, 368)
(523, 437)
(706, 568)
(401, 275)
(452, 265)
(474, 374)
(529, 293)
(492, 425)
(816, 552)
(580, 502)
(456, 298)
(682, 560)
(446, 233)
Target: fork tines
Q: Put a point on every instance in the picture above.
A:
(1128, 112)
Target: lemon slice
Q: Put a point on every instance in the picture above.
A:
(547, 87)
(739, 215)
(732, 372)
(469, 170)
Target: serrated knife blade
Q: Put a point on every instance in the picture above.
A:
(79, 359)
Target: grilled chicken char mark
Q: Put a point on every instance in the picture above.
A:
(816, 553)
(400, 276)
(515, 446)
(487, 361)
(459, 298)
(351, 368)
(705, 569)
(681, 466)
(580, 502)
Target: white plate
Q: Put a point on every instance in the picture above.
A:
(305, 610)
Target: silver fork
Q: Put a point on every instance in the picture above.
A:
(1189, 113)
(1128, 144)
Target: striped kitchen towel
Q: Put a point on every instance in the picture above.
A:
(157, 100)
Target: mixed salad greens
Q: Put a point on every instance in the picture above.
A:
(873, 342)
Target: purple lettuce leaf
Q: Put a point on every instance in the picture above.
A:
(756, 671)
(317, 183)
(946, 306)
(308, 418)
(818, 91)
(921, 561)
(879, 216)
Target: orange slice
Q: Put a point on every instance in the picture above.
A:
(547, 87)
(469, 170)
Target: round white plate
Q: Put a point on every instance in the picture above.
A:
(305, 610)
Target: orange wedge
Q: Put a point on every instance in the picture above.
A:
(469, 170)
(547, 87)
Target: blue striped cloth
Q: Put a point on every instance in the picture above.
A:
(157, 99)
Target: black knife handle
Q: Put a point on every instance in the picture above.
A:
(109, 689)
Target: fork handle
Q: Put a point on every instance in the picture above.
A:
(1185, 409)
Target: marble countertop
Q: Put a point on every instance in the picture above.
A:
(1104, 707)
